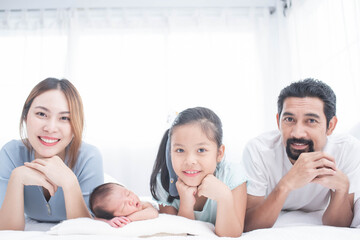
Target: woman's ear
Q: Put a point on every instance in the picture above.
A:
(221, 153)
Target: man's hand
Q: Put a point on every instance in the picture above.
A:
(338, 181)
(309, 166)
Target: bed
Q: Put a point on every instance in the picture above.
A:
(290, 225)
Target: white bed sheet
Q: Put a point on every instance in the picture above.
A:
(290, 225)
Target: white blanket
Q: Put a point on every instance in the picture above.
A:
(294, 225)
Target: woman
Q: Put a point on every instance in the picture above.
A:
(49, 174)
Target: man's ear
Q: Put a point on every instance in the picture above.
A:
(278, 120)
(332, 125)
(221, 153)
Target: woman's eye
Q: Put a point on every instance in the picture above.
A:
(179, 150)
(65, 118)
(201, 150)
(41, 114)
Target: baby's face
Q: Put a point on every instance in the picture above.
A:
(123, 202)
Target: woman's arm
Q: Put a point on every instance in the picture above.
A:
(61, 175)
(12, 208)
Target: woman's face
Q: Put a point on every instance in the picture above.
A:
(48, 124)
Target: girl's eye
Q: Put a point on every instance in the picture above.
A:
(179, 150)
(65, 118)
(201, 150)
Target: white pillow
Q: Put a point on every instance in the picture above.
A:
(165, 224)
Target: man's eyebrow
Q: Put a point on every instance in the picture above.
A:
(312, 115)
(288, 114)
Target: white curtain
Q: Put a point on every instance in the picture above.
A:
(135, 68)
(323, 41)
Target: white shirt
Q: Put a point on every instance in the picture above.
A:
(266, 162)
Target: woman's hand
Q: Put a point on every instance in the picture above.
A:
(29, 176)
(54, 169)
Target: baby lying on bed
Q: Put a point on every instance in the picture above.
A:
(118, 206)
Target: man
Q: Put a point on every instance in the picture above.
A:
(302, 166)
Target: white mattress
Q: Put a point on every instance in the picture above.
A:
(290, 225)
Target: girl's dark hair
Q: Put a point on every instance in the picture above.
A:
(211, 126)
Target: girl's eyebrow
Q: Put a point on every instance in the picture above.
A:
(47, 110)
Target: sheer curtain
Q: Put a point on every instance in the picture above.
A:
(323, 40)
(136, 68)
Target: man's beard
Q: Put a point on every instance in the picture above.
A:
(294, 153)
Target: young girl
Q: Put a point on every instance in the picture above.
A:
(190, 179)
(51, 172)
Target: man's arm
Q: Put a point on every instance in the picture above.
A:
(339, 212)
(147, 212)
(261, 212)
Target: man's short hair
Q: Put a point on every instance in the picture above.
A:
(310, 87)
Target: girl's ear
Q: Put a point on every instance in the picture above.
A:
(221, 153)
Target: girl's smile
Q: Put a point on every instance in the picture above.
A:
(194, 155)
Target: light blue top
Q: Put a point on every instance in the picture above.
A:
(230, 173)
(88, 170)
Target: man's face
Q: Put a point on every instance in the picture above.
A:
(303, 126)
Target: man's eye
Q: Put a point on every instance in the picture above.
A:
(312, 121)
(288, 119)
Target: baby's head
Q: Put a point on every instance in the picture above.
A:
(111, 200)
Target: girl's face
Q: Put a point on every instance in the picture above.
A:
(48, 124)
(193, 154)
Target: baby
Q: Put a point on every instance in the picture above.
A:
(118, 206)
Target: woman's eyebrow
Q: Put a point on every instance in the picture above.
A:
(47, 110)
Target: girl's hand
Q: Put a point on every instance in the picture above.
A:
(213, 188)
(54, 169)
(186, 194)
(116, 222)
(29, 176)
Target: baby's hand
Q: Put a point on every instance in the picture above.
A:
(117, 222)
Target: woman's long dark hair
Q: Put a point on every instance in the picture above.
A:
(210, 124)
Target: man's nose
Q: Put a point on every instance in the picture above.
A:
(298, 131)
